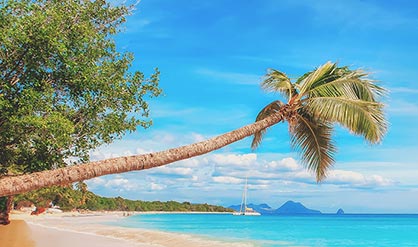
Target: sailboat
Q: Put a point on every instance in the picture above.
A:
(244, 210)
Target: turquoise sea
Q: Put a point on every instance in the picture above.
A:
(322, 230)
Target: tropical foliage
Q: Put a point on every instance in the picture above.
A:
(64, 87)
(68, 198)
(315, 102)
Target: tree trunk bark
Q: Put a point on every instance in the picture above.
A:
(71, 174)
(4, 216)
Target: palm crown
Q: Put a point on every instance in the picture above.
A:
(315, 102)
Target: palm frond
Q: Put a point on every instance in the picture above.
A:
(271, 108)
(346, 83)
(313, 138)
(300, 80)
(360, 117)
(276, 81)
(315, 77)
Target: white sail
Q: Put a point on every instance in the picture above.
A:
(244, 210)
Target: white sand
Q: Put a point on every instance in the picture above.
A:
(76, 230)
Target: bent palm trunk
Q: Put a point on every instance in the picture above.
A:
(71, 174)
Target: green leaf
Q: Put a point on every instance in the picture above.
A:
(360, 117)
(276, 81)
(347, 83)
(315, 77)
(65, 88)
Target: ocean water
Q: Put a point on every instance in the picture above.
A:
(322, 230)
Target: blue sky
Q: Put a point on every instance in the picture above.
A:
(212, 56)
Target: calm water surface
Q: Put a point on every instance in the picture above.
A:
(323, 230)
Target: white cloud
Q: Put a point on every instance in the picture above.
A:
(259, 187)
(304, 176)
(230, 168)
(343, 177)
(142, 151)
(118, 183)
(356, 179)
(198, 137)
(286, 164)
(147, 143)
(227, 180)
(234, 159)
(381, 181)
(97, 181)
(193, 162)
(155, 186)
(223, 175)
(99, 155)
(172, 170)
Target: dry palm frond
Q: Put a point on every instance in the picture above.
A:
(313, 139)
(270, 109)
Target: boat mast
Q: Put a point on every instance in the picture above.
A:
(245, 194)
(243, 202)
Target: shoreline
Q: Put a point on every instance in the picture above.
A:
(71, 229)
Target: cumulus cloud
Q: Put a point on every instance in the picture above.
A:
(229, 169)
(117, 182)
(155, 186)
(356, 179)
(193, 162)
(227, 180)
(97, 181)
(269, 174)
(234, 159)
(198, 137)
(114, 183)
(286, 164)
(259, 186)
(147, 143)
(172, 170)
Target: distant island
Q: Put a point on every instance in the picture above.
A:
(340, 211)
(288, 208)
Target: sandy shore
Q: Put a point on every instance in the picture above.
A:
(77, 230)
(16, 234)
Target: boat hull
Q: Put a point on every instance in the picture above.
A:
(246, 214)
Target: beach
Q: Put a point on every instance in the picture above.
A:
(76, 230)
(107, 229)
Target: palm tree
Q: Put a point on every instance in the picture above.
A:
(315, 102)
